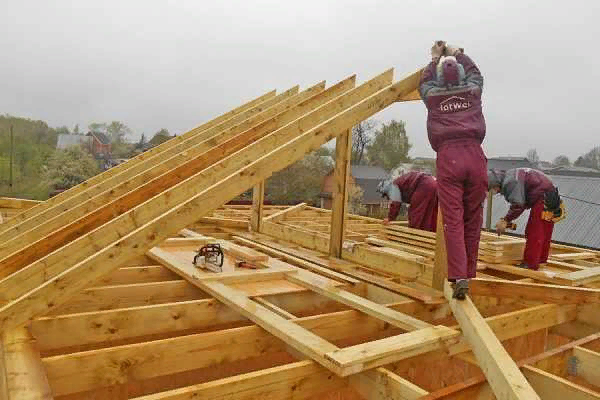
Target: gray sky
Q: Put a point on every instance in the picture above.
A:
(175, 64)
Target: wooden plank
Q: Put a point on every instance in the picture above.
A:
(398, 246)
(588, 365)
(258, 199)
(552, 387)
(540, 275)
(299, 380)
(226, 187)
(286, 212)
(131, 275)
(240, 110)
(277, 310)
(25, 375)
(376, 353)
(380, 383)
(440, 264)
(583, 277)
(395, 318)
(502, 373)
(584, 255)
(339, 204)
(534, 291)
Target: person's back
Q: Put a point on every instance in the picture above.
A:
(451, 88)
(523, 188)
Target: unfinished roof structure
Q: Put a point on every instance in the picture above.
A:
(100, 297)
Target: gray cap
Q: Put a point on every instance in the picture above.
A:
(495, 178)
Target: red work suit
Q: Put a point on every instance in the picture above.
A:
(456, 129)
(420, 191)
(524, 188)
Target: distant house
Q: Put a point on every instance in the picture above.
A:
(100, 146)
(364, 176)
(506, 163)
(67, 140)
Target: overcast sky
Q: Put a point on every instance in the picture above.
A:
(175, 64)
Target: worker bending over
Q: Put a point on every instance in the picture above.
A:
(417, 189)
(451, 88)
(526, 188)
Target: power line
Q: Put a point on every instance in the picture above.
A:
(581, 200)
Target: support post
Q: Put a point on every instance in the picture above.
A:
(488, 217)
(343, 147)
(10, 185)
(258, 199)
(25, 375)
(440, 265)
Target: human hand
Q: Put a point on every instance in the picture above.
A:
(501, 226)
(437, 50)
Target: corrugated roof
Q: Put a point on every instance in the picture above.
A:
(66, 140)
(581, 227)
(506, 163)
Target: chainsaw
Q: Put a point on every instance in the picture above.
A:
(210, 257)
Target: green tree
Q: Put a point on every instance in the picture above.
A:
(118, 131)
(69, 167)
(390, 146)
(76, 130)
(532, 156)
(160, 137)
(97, 127)
(591, 159)
(300, 181)
(562, 161)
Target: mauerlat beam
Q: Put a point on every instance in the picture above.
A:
(228, 116)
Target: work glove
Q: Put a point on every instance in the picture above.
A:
(437, 50)
(453, 51)
(501, 226)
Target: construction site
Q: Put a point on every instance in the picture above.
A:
(143, 283)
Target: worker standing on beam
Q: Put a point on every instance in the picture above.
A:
(417, 189)
(526, 188)
(451, 88)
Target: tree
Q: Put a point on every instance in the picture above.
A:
(390, 146)
(142, 143)
(62, 130)
(117, 131)
(160, 137)
(591, 159)
(362, 135)
(532, 156)
(70, 167)
(300, 181)
(97, 127)
(562, 161)
(76, 130)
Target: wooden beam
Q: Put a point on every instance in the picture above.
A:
(131, 275)
(395, 318)
(380, 383)
(228, 116)
(25, 375)
(502, 373)
(286, 212)
(583, 277)
(228, 184)
(588, 365)
(440, 264)
(552, 387)
(343, 148)
(299, 380)
(258, 199)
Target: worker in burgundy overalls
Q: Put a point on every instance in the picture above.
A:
(526, 188)
(451, 87)
(417, 189)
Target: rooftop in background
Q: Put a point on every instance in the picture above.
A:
(506, 163)
(102, 138)
(572, 171)
(67, 140)
(368, 172)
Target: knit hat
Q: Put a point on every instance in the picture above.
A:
(495, 178)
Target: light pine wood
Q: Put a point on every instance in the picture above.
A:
(343, 149)
(440, 265)
(258, 199)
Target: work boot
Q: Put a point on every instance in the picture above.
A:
(460, 289)
(523, 265)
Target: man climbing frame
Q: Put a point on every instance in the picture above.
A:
(417, 189)
(451, 87)
(526, 188)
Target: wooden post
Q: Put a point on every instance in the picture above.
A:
(25, 375)
(258, 199)
(10, 185)
(339, 204)
(488, 217)
(440, 265)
